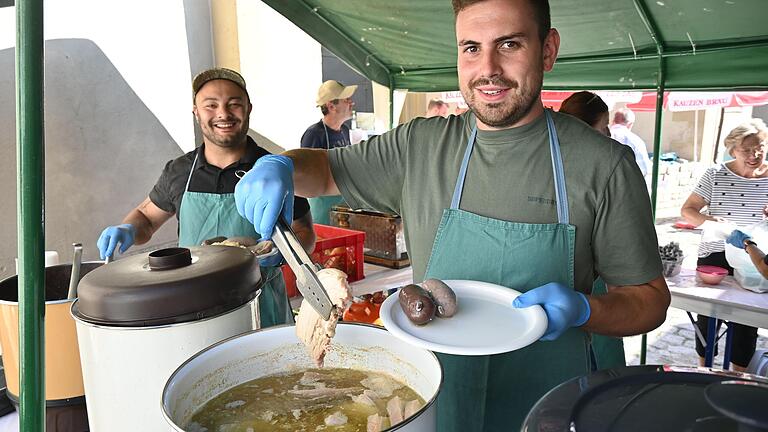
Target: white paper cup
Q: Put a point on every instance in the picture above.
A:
(51, 259)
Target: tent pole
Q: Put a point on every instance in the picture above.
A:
(719, 133)
(30, 196)
(653, 31)
(655, 175)
(657, 136)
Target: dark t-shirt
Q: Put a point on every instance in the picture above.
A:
(315, 137)
(207, 178)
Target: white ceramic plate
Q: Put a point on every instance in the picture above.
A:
(486, 322)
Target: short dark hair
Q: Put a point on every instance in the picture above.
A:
(585, 106)
(540, 11)
(324, 107)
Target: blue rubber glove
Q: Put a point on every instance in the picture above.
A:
(736, 239)
(565, 308)
(265, 193)
(124, 234)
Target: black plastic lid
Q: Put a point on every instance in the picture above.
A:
(168, 286)
(652, 398)
(743, 401)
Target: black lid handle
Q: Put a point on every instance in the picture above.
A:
(170, 258)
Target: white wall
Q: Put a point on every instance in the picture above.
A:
(146, 40)
(118, 107)
(118, 104)
(283, 68)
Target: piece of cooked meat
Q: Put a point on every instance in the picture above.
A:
(376, 423)
(310, 378)
(315, 332)
(363, 399)
(336, 419)
(382, 386)
(395, 408)
(411, 408)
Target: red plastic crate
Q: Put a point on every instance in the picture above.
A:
(335, 248)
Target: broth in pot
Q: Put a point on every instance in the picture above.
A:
(332, 399)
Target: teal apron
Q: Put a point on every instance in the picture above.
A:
(495, 393)
(609, 351)
(207, 215)
(320, 207)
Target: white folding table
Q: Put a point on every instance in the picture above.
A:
(727, 301)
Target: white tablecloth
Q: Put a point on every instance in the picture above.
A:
(727, 300)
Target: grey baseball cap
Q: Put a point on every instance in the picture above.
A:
(215, 74)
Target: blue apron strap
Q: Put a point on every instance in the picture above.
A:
(191, 170)
(557, 168)
(463, 170)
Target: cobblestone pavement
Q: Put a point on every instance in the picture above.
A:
(673, 342)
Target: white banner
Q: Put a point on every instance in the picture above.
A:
(691, 101)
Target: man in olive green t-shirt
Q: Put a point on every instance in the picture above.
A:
(508, 193)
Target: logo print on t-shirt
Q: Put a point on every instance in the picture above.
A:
(541, 200)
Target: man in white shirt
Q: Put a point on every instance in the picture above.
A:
(623, 119)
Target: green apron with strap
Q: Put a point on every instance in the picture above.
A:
(207, 215)
(495, 393)
(321, 208)
(609, 351)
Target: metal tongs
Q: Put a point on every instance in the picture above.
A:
(305, 270)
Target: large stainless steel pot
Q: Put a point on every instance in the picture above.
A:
(278, 350)
(140, 317)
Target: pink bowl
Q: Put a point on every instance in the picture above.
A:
(711, 275)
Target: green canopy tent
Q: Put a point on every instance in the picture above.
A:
(606, 44)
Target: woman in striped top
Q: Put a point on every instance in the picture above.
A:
(736, 192)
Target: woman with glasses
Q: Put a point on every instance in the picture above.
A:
(736, 192)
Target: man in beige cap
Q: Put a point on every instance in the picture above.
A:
(336, 104)
(198, 189)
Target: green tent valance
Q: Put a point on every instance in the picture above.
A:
(606, 44)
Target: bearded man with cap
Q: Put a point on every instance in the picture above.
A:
(198, 189)
(334, 100)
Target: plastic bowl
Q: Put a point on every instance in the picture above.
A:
(711, 275)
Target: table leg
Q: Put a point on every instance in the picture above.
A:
(709, 348)
(728, 346)
(699, 336)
